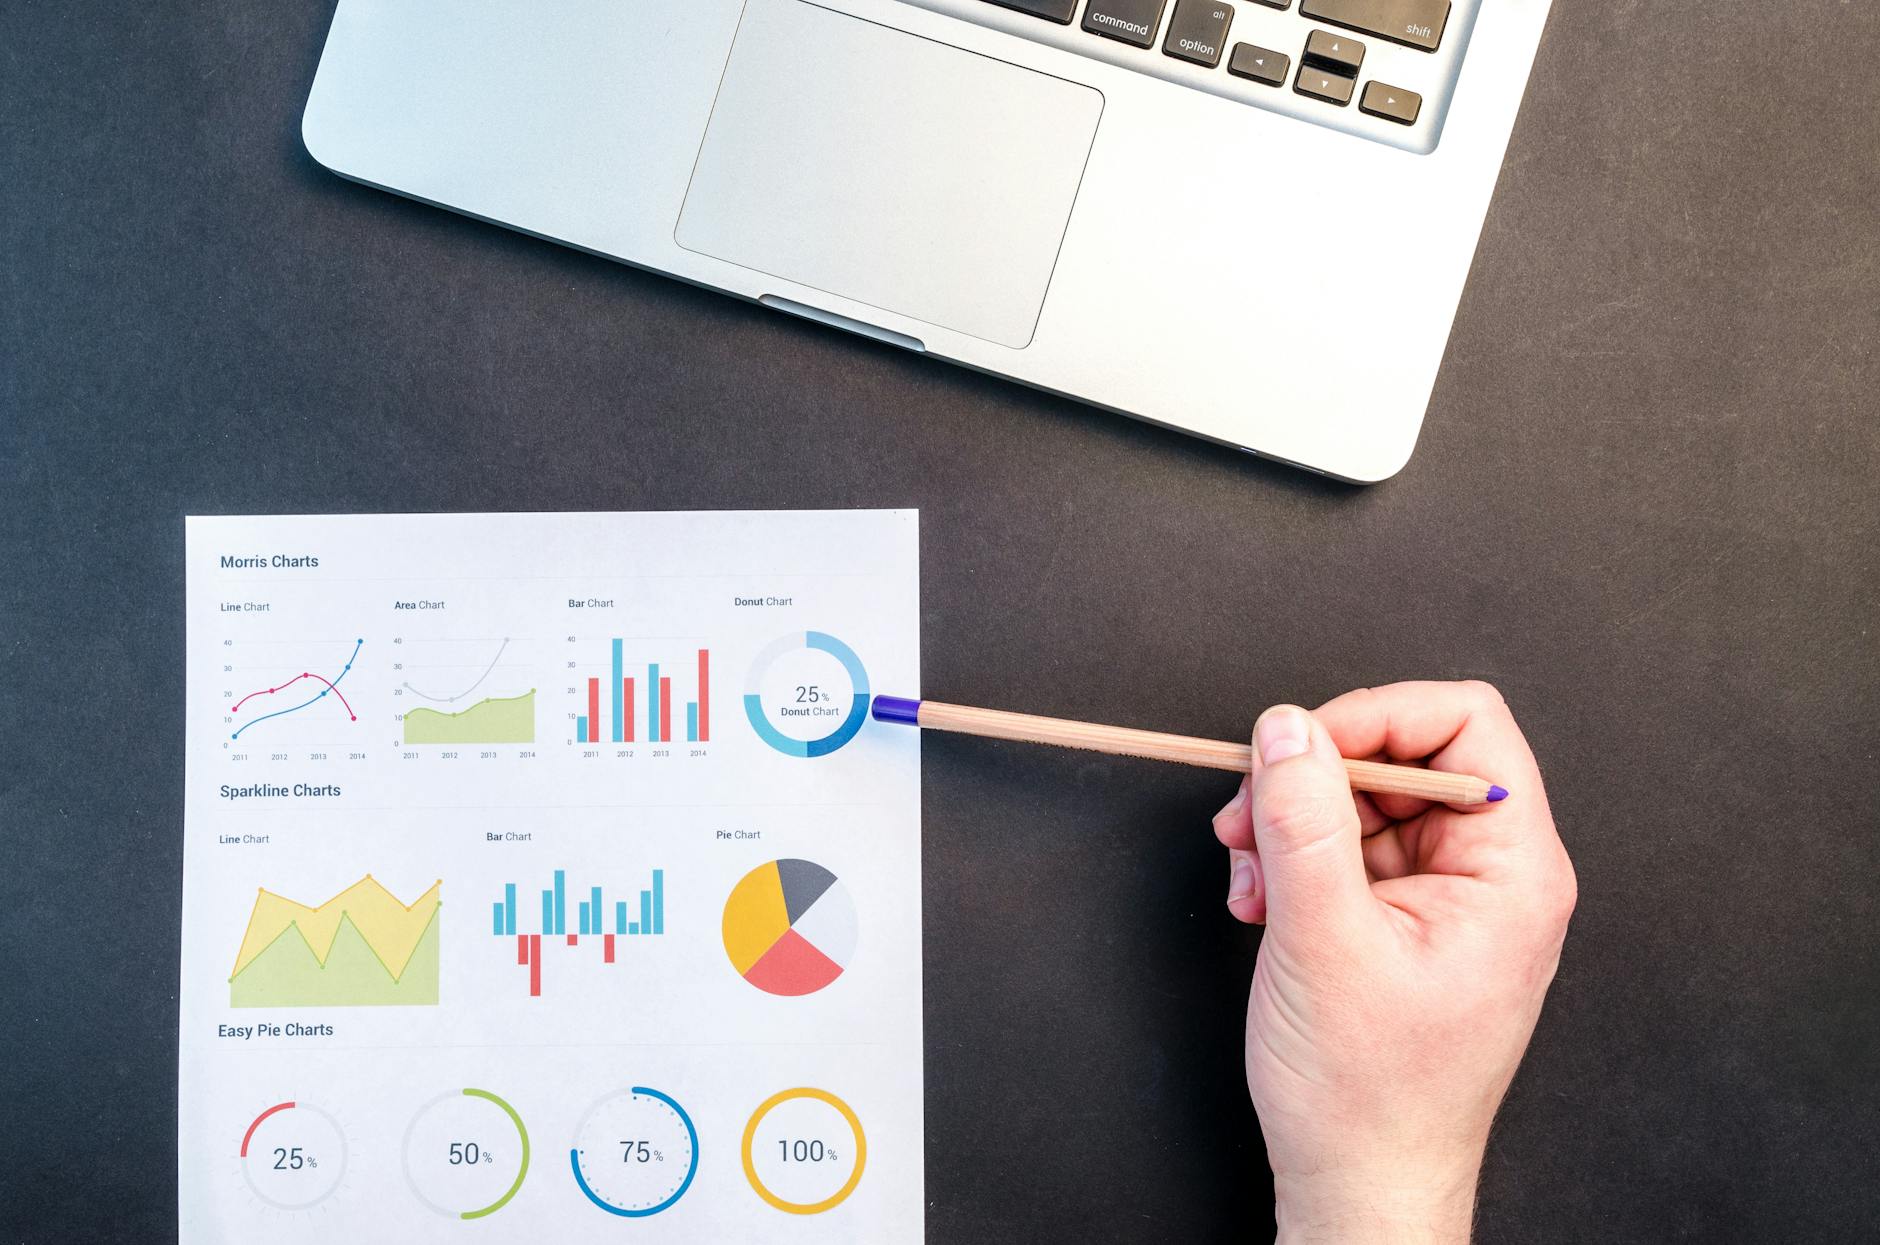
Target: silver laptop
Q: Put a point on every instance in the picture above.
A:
(1247, 221)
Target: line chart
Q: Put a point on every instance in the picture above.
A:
(330, 687)
(466, 691)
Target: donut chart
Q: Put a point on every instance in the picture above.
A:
(293, 1155)
(804, 1150)
(635, 1153)
(799, 711)
(789, 927)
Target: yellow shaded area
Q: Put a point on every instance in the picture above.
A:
(755, 916)
(391, 928)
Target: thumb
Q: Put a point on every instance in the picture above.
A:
(1304, 821)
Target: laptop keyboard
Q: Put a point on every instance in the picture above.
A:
(1382, 69)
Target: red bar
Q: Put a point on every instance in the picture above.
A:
(594, 711)
(571, 938)
(704, 695)
(535, 966)
(665, 709)
(522, 948)
(607, 948)
(629, 712)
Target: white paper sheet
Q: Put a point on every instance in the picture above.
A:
(404, 731)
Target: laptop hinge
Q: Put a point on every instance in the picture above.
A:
(850, 323)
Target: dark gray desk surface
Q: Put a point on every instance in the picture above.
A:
(1645, 504)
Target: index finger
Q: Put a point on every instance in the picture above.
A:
(1463, 728)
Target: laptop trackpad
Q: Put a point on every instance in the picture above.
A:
(890, 169)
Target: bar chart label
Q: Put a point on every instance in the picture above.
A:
(807, 694)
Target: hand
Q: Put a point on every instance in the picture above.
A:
(1407, 951)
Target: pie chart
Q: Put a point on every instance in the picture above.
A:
(789, 927)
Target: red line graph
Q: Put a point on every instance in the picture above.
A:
(269, 691)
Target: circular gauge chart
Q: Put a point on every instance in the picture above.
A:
(293, 1155)
(804, 1151)
(807, 694)
(635, 1153)
(466, 1153)
(789, 927)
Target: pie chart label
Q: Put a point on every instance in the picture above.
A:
(789, 927)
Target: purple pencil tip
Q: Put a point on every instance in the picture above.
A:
(897, 709)
(1496, 794)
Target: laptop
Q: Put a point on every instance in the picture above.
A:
(1248, 221)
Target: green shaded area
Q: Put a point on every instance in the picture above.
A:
(522, 1171)
(289, 974)
(508, 721)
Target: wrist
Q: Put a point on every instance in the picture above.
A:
(1412, 1203)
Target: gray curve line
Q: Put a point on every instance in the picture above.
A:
(446, 700)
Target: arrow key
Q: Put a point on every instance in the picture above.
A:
(1263, 65)
(1333, 88)
(1338, 53)
(1391, 103)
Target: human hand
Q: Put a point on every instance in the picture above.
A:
(1407, 952)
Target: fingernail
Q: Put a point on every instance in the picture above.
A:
(1282, 731)
(1240, 885)
(1237, 803)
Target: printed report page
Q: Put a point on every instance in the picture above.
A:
(545, 878)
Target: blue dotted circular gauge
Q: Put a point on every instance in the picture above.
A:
(635, 1153)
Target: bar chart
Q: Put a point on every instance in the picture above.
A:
(596, 916)
(637, 702)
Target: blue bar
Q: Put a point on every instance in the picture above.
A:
(620, 917)
(691, 721)
(659, 901)
(580, 729)
(646, 911)
(620, 727)
(584, 918)
(633, 928)
(496, 912)
(548, 912)
(509, 907)
(652, 702)
(561, 901)
(594, 906)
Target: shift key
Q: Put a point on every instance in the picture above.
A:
(1413, 23)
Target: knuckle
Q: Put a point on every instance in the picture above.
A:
(1484, 692)
(1563, 895)
(1297, 818)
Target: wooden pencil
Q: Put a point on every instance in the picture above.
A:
(1372, 776)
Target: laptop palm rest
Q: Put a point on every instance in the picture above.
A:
(890, 169)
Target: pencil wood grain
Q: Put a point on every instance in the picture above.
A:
(1372, 776)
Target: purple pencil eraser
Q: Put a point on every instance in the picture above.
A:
(897, 709)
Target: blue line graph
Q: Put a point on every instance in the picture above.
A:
(332, 686)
